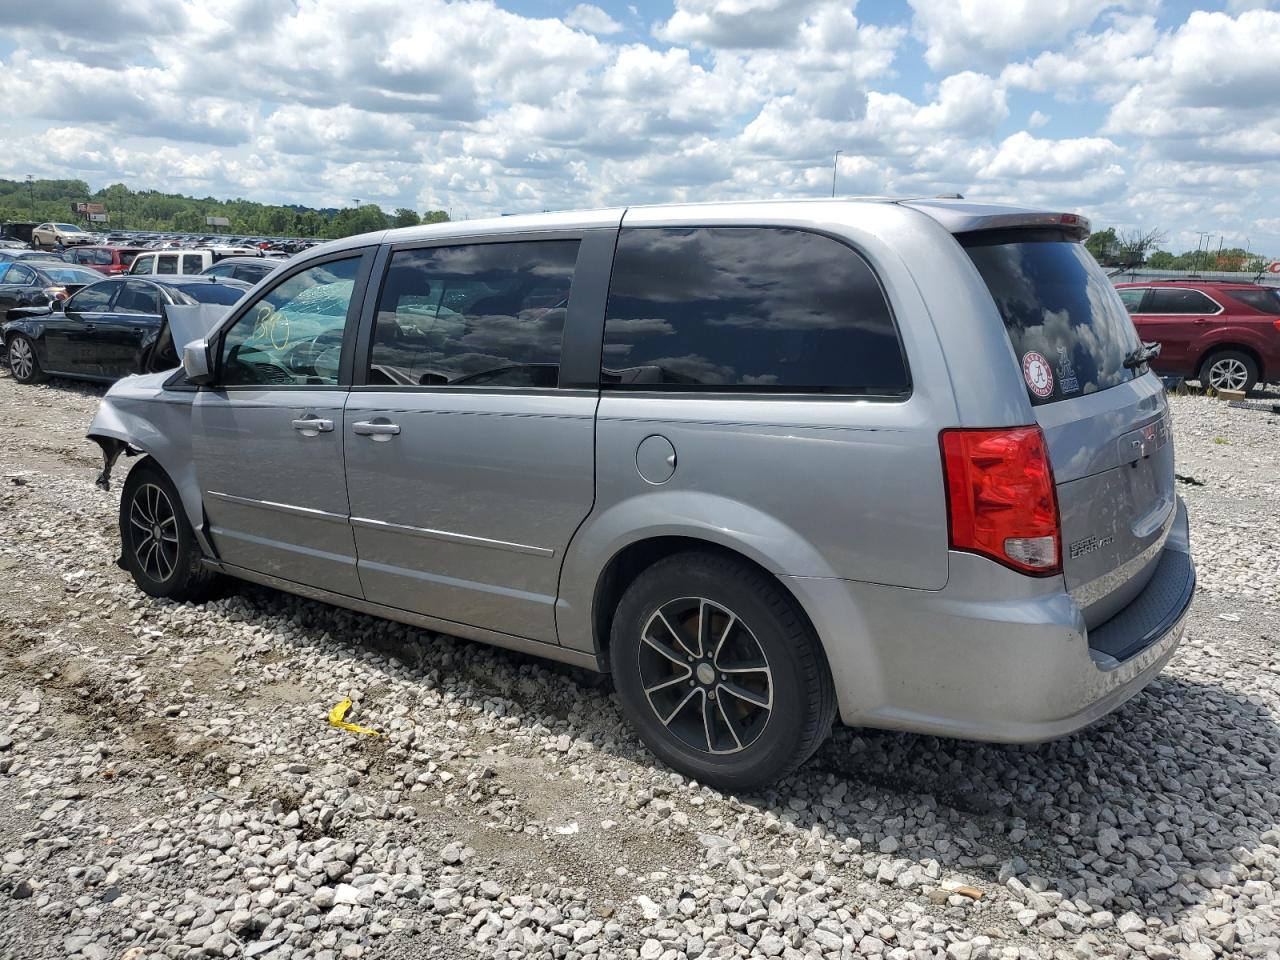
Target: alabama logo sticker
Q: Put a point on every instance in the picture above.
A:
(1038, 374)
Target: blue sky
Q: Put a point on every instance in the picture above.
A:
(1144, 114)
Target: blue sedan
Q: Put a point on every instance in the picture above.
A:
(109, 329)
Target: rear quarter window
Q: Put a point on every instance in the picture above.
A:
(1068, 327)
(747, 309)
(1264, 301)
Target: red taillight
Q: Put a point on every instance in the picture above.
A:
(1001, 501)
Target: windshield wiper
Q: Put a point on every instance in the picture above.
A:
(1142, 354)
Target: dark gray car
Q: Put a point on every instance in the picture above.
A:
(767, 463)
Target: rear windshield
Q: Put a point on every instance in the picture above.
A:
(1265, 301)
(213, 292)
(1067, 325)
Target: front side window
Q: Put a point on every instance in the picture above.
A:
(142, 265)
(488, 314)
(747, 309)
(1175, 300)
(292, 335)
(94, 299)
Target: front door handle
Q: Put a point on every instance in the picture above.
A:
(377, 429)
(313, 426)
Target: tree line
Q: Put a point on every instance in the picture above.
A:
(1138, 248)
(44, 200)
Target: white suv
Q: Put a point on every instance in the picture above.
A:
(189, 262)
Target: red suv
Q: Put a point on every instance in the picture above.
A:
(1226, 335)
(108, 260)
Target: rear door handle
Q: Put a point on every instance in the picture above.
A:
(378, 429)
(311, 426)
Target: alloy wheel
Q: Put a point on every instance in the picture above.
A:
(21, 359)
(705, 675)
(1228, 374)
(155, 534)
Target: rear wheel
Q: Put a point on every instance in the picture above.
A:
(720, 672)
(23, 362)
(157, 543)
(1229, 370)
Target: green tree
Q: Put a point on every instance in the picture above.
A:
(435, 216)
(1101, 243)
(404, 217)
(1161, 260)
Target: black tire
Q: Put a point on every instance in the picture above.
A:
(1230, 366)
(169, 565)
(24, 362)
(743, 745)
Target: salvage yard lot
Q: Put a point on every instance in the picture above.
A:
(169, 781)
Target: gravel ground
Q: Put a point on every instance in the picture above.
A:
(172, 787)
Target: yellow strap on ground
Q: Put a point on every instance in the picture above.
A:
(340, 711)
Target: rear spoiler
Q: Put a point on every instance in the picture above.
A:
(968, 217)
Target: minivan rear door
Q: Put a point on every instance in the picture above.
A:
(1105, 421)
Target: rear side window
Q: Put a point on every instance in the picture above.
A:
(167, 263)
(126, 256)
(192, 263)
(214, 292)
(1068, 326)
(747, 309)
(1176, 300)
(1264, 301)
(487, 314)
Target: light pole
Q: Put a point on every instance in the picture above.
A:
(835, 165)
(356, 201)
(31, 190)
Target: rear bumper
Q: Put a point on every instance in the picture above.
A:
(957, 663)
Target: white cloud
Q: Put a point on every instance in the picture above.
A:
(463, 104)
(961, 34)
(588, 17)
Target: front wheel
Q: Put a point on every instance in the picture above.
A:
(158, 545)
(1229, 370)
(720, 672)
(23, 362)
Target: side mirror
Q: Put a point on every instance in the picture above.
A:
(196, 362)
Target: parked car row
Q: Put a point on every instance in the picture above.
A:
(68, 321)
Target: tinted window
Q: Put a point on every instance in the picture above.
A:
(1265, 301)
(19, 274)
(293, 334)
(213, 292)
(223, 269)
(251, 272)
(93, 299)
(138, 297)
(487, 314)
(70, 274)
(1065, 320)
(1131, 297)
(192, 263)
(167, 263)
(1177, 300)
(747, 308)
(102, 257)
(126, 256)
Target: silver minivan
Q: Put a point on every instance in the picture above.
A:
(766, 463)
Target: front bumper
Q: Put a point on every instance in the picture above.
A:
(957, 663)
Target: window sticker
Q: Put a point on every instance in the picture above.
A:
(1067, 381)
(1038, 374)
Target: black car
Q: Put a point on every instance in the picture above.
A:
(110, 329)
(12, 253)
(249, 269)
(32, 284)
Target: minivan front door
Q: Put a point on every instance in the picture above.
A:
(267, 438)
(469, 466)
